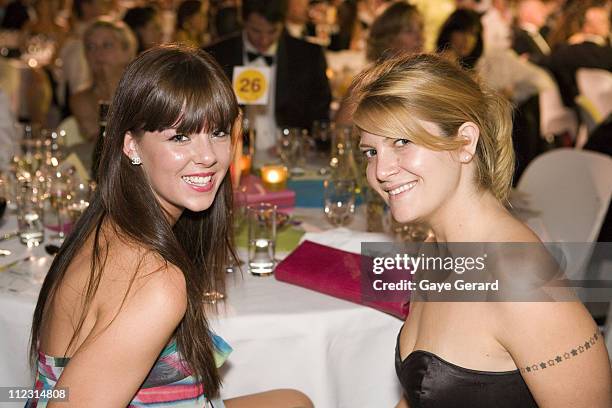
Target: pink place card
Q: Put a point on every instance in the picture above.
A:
(256, 193)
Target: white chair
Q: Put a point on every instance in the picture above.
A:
(571, 189)
(596, 86)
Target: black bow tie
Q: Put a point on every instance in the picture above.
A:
(254, 55)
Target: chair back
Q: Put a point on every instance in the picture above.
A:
(596, 86)
(571, 189)
(556, 118)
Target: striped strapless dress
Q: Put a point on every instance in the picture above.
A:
(168, 384)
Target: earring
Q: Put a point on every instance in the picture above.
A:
(466, 157)
(136, 161)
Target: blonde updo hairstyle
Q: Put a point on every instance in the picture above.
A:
(393, 95)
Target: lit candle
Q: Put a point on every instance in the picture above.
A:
(274, 177)
(244, 164)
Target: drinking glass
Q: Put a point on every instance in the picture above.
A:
(262, 238)
(322, 135)
(290, 149)
(30, 211)
(59, 197)
(339, 198)
(78, 200)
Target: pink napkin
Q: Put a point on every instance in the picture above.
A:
(333, 272)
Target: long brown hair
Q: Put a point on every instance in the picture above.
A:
(164, 87)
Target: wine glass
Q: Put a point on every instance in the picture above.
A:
(290, 149)
(78, 200)
(59, 197)
(239, 215)
(339, 199)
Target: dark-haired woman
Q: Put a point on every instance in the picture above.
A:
(192, 23)
(145, 22)
(460, 38)
(120, 320)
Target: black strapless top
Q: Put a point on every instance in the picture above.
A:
(430, 381)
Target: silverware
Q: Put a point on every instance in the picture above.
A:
(14, 263)
(9, 235)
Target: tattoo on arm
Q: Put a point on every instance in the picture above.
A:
(574, 352)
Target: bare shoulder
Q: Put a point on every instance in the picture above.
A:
(510, 229)
(138, 276)
(140, 302)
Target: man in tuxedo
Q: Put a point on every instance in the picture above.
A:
(527, 39)
(589, 48)
(299, 89)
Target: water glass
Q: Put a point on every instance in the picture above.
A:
(30, 212)
(262, 238)
(339, 203)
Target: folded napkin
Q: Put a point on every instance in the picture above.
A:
(333, 272)
(346, 239)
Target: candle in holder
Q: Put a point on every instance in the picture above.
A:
(244, 163)
(274, 177)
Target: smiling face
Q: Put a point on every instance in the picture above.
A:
(184, 171)
(413, 180)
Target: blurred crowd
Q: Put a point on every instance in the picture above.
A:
(73, 52)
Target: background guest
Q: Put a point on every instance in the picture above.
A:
(580, 41)
(527, 39)
(299, 93)
(192, 23)
(297, 22)
(226, 18)
(399, 29)
(347, 27)
(460, 38)
(109, 47)
(144, 22)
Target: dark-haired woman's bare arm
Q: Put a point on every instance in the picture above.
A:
(111, 364)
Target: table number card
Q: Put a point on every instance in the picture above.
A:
(252, 85)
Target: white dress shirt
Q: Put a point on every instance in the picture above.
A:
(261, 117)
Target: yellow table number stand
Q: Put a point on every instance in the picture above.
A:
(251, 85)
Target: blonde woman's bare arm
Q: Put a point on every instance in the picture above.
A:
(559, 351)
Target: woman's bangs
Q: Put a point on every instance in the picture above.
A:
(388, 117)
(382, 117)
(190, 102)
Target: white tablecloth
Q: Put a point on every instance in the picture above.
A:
(339, 353)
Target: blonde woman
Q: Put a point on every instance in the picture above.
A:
(439, 150)
(109, 47)
(398, 30)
